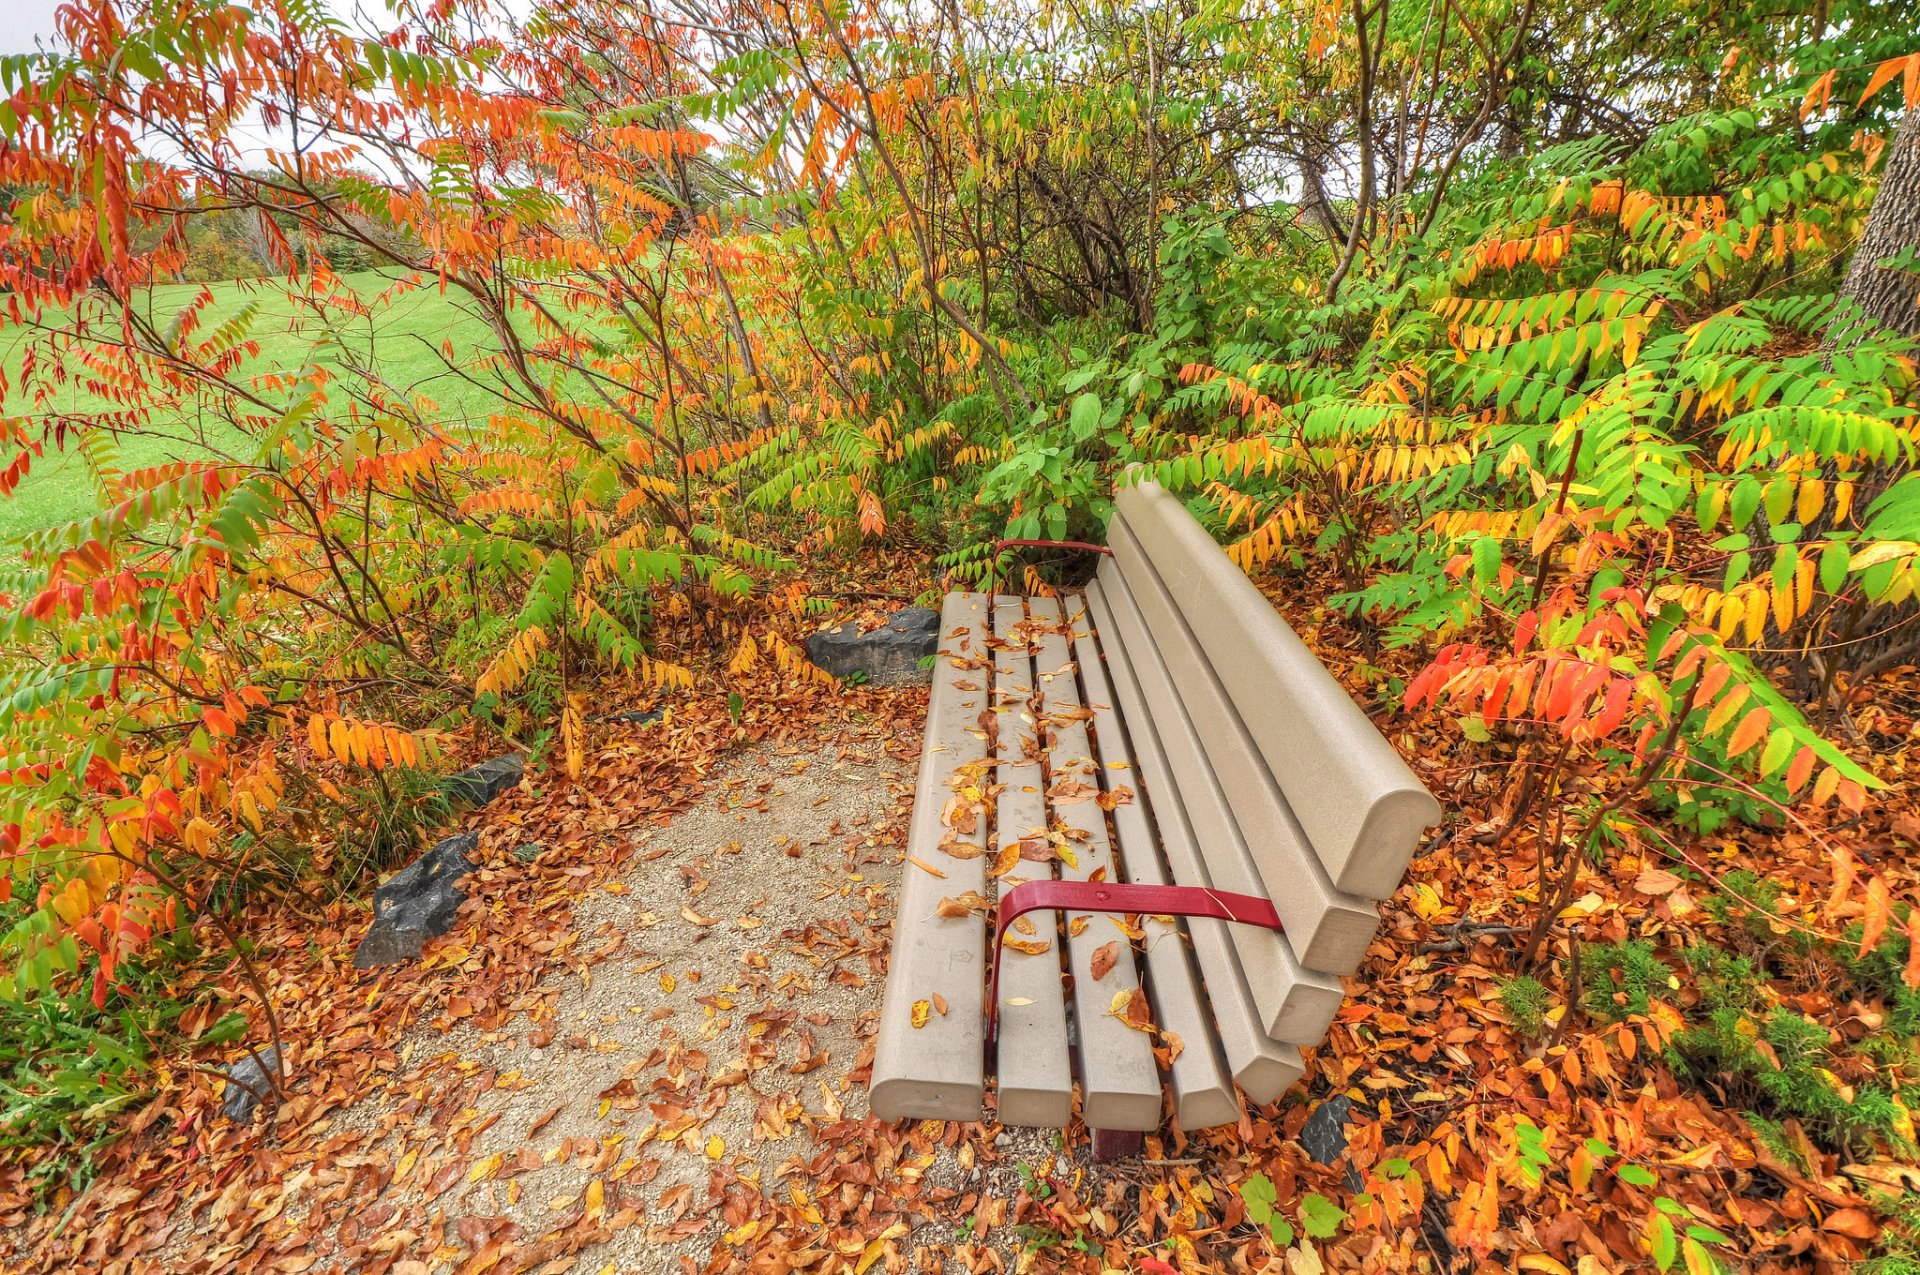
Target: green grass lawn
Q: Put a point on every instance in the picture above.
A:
(404, 335)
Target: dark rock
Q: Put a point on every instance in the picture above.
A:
(1324, 1137)
(636, 717)
(889, 655)
(249, 1081)
(418, 903)
(477, 785)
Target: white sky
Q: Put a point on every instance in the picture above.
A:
(24, 21)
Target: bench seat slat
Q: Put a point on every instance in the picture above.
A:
(1119, 1079)
(1328, 930)
(1033, 1071)
(1362, 808)
(937, 1072)
(1296, 1004)
(1203, 1094)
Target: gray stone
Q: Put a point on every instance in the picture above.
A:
(477, 785)
(1324, 1136)
(248, 1081)
(636, 717)
(889, 655)
(418, 903)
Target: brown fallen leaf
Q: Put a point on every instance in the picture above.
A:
(966, 905)
(924, 866)
(1855, 1224)
(1005, 861)
(695, 918)
(940, 1004)
(542, 1121)
(1104, 958)
(1130, 1007)
(959, 848)
(1656, 881)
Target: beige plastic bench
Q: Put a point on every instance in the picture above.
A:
(1165, 728)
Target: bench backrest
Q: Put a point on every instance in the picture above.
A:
(1357, 804)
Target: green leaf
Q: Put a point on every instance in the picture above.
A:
(1834, 560)
(1486, 561)
(1084, 418)
(1635, 1175)
(1321, 1217)
(1661, 1240)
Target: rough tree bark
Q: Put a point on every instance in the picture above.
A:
(1891, 297)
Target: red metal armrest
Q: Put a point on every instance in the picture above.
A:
(1000, 546)
(1114, 897)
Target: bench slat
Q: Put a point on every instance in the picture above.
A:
(1204, 846)
(1327, 929)
(937, 1072)
(1362, 809)
(1119, 1079)
(1203, 1094)
(1033, 1070)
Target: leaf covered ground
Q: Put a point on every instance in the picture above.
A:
(644, 1048)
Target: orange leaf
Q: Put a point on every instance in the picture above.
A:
(1855, 1224)
(1912, 975)
(1104, 958)
(1751, 730)
(1004, 862)
(1883, 75)
(1879, 912)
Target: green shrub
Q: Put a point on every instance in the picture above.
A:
(1525, 1000)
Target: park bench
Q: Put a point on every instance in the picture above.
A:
(1197, 806)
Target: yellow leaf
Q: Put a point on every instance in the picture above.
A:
(1426, 901)
(716, 1147)
(667, 982)
(596, 1199)
(921, 1011)
(1812, 496)
(1541, 1262)
(484, 1169)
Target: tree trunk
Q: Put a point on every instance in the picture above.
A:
(1889, 297)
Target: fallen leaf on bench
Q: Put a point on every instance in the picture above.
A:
(1120, 796)
(1018, 1000)
(1104, 958)
(1067, 792)
(940, 1004)
(1032, 947)
(960, 849)
(924, 866)
(967, 904)
(1076, 927)
(921, 1011)
(1130, 1008)
(961, 814)
(1004, 862)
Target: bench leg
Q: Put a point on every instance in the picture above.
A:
(1115, 1144)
